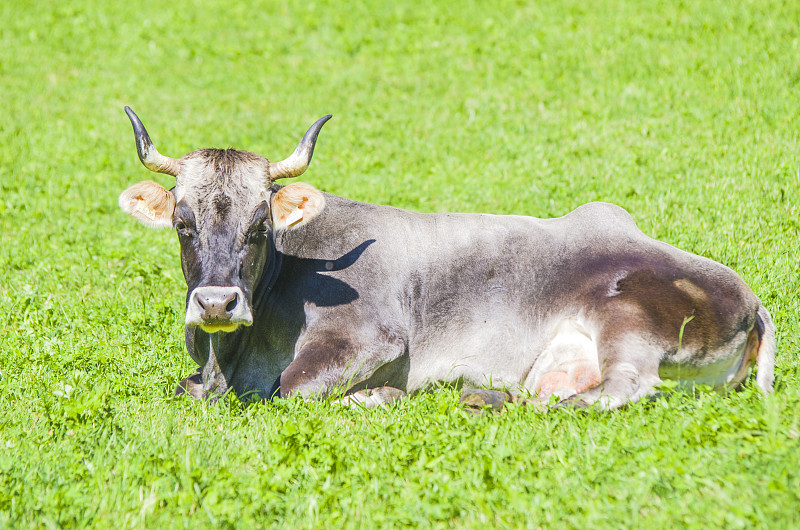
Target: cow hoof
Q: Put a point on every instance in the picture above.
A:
(575, 402)
(386, 394)
(372, 397)
(536, 403)
(192, 386)
(477, 398)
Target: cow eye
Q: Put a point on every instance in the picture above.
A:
(182, 229)
(259, 232)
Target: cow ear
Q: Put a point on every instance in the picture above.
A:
(149, 203)
(296, 205)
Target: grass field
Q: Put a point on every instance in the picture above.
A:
(684, 113)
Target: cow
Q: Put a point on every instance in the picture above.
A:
(295, 292)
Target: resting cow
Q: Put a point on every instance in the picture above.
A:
(296, 292)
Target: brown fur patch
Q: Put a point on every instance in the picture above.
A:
(696, 293)
(304, 375)
(667, 304)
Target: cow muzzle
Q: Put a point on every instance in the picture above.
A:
(217, 309)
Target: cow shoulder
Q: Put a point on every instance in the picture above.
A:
(603, 211)
(598, 219)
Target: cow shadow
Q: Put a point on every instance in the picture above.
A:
(317, 286)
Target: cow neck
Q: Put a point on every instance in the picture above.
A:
(273, 266)
(270, 274)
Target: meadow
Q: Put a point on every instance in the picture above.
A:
(685, 113)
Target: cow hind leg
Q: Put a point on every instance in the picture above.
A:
(570, 378)
(629, 372)
(567, 365)
(765, 356)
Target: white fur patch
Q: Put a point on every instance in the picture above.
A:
(145, 210)
(571, 348)
(295, 217)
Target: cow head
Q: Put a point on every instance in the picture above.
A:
(225, 210)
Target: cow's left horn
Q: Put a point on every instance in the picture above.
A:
(297, 163)
(150, 157)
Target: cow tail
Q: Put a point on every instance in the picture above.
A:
(765, 356)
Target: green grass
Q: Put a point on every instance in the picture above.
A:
(685, 113)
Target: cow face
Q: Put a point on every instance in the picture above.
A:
(225, 213)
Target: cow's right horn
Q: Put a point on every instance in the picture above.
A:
(298, 162)
(150, 157)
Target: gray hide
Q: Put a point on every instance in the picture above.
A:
(368, 296)
(364, 296)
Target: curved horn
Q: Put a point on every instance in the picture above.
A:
(152, 159)
(297, 163)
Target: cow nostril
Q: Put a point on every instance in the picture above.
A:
(232, 304)
(215, 308)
